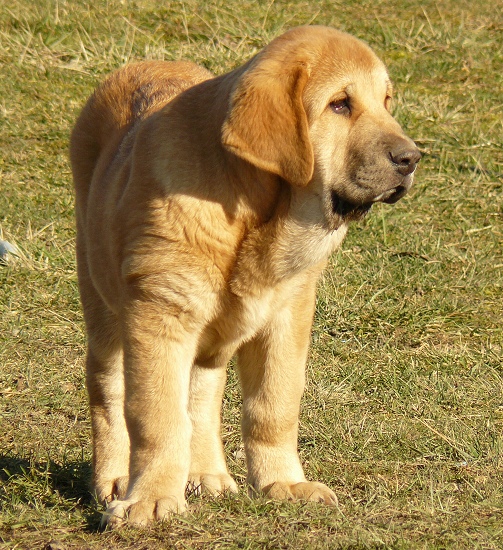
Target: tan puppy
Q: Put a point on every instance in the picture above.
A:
(206, 210)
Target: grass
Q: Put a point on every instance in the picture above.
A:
(403, 413)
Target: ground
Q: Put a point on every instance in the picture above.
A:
(403, 412)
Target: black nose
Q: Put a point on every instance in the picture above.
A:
(405, 159)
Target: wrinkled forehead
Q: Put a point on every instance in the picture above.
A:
(345, 65)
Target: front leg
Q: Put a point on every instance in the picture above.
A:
(159, 349)
(272, 372)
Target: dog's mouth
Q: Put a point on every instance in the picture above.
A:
(351, 211)
(348, 210)
(392, 195)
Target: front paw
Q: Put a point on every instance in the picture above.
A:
(306, 490)
(212, 484)
(140, 513)
(109, 489)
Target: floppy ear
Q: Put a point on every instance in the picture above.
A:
(267, 125)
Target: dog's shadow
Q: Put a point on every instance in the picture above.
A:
(67, 484)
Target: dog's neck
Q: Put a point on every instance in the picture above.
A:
(294, 240)
(284, 231)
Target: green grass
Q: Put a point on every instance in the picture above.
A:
(403, 413)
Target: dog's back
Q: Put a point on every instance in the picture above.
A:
(123, 99)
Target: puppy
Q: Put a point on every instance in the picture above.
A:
(206, 209)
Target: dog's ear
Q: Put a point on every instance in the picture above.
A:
(266, 123)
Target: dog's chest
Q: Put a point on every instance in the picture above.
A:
(267, 274)
(239, 320)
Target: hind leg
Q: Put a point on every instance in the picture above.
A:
(105, 386)
(208, 470)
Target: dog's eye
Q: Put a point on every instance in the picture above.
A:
(340, 106)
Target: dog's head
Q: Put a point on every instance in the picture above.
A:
(313, 107)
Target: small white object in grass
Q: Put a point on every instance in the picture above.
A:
(7, 248)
